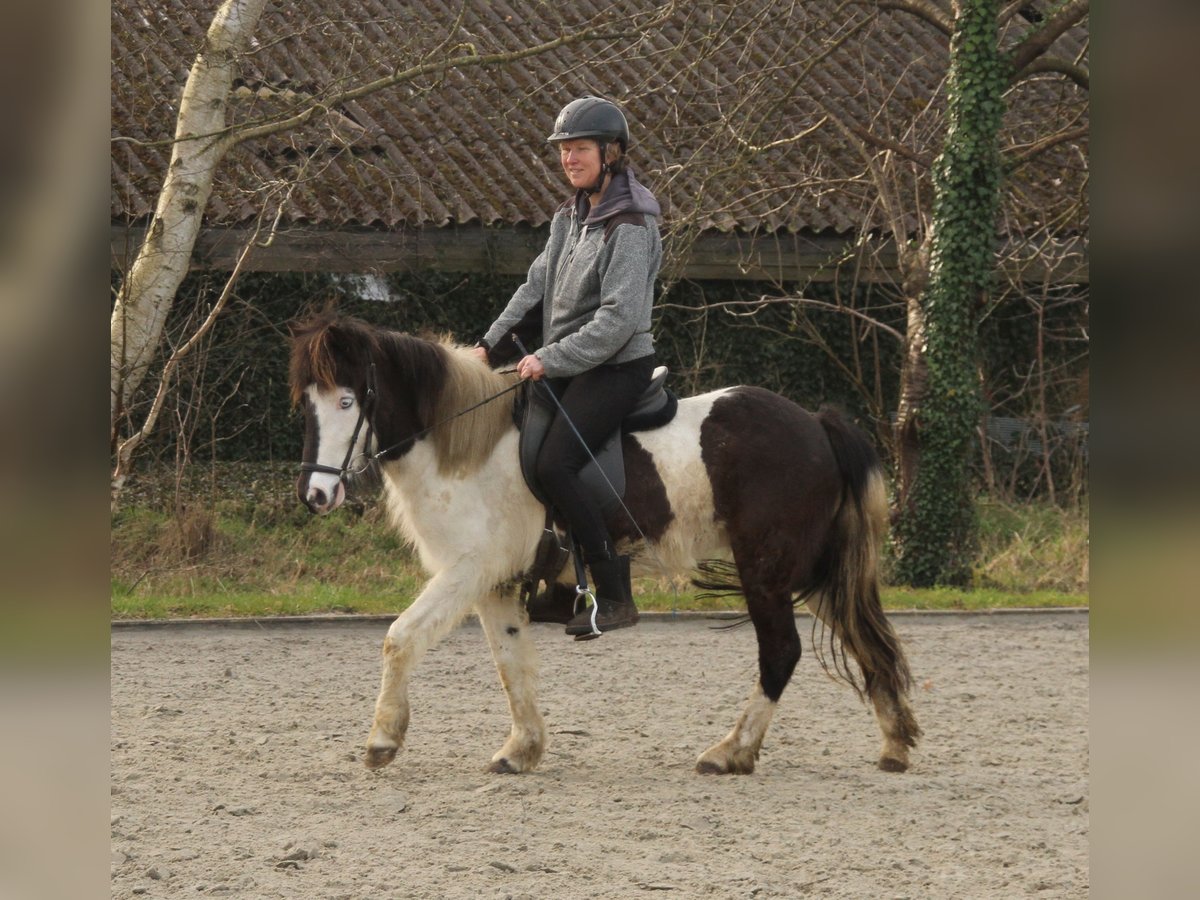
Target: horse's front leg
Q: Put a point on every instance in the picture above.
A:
(442, 604)
(507, 630)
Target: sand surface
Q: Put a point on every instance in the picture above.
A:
(236, 769)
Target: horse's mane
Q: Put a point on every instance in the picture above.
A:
(463, 442)
(443, 376)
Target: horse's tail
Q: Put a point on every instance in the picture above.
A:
(846, 594)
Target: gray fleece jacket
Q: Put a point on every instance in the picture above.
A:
(595, 281)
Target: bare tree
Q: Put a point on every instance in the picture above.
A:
(201, 142)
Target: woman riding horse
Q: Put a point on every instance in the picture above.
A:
(592, 288)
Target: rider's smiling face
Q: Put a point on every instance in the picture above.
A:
(580, 160)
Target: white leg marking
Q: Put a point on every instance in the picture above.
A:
(507, 631)
(737, 753)
(446, 599)
(893, 756)
(893, 714)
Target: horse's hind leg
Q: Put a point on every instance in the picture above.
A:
(778, 652)
(899, 727)
(441, 606)
(507, 630)
(881, 660)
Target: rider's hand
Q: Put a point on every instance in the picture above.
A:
(530, 367)
(480, 354)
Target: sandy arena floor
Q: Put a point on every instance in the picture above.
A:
(236, 769)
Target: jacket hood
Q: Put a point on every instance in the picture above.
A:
(625, 194)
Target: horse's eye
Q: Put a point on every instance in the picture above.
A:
(347, 402)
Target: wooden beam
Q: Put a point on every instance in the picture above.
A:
(786, 258)
(302, 249)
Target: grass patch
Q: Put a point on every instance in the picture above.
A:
(208, 603)
(250, 550)
(976, 599)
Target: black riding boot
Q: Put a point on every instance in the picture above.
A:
(614, 600)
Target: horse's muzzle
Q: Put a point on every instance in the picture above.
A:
(319, 499)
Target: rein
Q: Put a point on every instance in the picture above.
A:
(416, 436)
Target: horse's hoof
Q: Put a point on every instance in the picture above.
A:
(719, 761)
(502, 767)
(378, 757)
(891, 764)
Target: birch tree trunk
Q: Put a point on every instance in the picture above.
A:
(162, 261)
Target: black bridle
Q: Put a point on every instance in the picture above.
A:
(365, 409)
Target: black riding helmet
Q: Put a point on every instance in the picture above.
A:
(591, 117)
(596, 118)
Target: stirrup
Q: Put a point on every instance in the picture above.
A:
(586, 593)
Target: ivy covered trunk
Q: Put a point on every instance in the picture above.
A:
(936, 530)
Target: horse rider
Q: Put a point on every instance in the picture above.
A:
(591, 291)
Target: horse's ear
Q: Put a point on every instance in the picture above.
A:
(316, 315)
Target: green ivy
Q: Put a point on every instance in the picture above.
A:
(936, 534)
(239, 406)
(236, 393)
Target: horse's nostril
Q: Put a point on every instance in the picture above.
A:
(317, 498)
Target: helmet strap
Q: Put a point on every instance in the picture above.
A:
(599, 185)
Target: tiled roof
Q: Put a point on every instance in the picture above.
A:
(468, 146)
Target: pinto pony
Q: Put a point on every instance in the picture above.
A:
(793, 502)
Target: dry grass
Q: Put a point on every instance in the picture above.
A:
(1033, 547)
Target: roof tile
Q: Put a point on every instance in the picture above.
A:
(469, 146)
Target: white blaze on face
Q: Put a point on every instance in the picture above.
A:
(335, 413)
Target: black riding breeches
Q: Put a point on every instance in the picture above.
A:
(596, 401)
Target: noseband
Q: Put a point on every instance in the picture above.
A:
(365, 409)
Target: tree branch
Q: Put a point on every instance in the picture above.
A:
(1077, 73)
(1039, 38)
(1019, 158)
(127, 447)
(874, 140)
(922, 9)
(238, 135)
(1011, 10)
(750, 307)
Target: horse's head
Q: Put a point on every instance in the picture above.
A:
(363, 388)
(332, 376)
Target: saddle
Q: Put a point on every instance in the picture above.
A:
(655, 408)
(603, 478)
